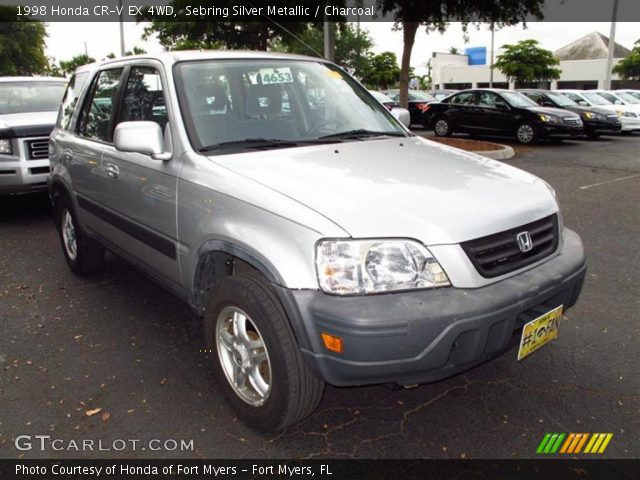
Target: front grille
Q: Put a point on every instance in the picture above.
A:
(573, 121)
(38, 170)
(498, 254)
(38, 149)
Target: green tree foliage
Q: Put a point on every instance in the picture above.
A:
(526, 62)
(69, 66)
(434, 14)
(214, 31)
(629, 68)
(22, 43)
(382, 72)
(352, 46)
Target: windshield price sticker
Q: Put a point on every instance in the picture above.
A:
(275, 75)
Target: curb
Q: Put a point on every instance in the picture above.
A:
(504, 153)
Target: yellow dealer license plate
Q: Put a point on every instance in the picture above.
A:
(538, 332)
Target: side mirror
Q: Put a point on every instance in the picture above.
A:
(141, 137)
(401, 116)
(546, 103)
(502, 107)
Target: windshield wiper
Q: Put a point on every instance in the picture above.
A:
(265, 143)
(361, 133)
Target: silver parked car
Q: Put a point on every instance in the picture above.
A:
(28, 109)
(319, 240)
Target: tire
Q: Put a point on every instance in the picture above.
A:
(274, 388)
(442, 127)
(526, 133)
(84, 255)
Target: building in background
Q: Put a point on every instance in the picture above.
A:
(583, 64)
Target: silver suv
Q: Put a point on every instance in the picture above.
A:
(28, 109)
(318, 238)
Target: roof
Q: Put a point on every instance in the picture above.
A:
(590, 47)
(33, 79)
(186, 55)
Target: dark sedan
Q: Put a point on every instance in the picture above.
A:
(418, 101)
(597, 121)
(500, 113)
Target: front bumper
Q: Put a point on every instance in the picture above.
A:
(424, 336)
(630, 124)
(598, 126)
(559, 130)
(21, 174)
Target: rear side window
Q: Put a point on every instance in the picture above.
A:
(144, 97)
(96, 120)
(70, 99)
(465, 98)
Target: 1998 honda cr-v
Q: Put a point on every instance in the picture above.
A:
(318, 238)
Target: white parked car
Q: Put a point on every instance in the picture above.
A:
(629, 115)
(633, 93)
(402, 114)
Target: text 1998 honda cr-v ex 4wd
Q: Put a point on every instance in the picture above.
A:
(318, 238)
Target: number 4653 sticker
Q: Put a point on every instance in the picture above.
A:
(275, 75)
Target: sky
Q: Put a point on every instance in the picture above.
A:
(68, 39)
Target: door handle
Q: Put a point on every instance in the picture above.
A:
(112, 170)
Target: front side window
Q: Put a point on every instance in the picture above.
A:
(490, 99)
(96, 121)
(31, 96)
(465, 98)
(144, 97)
(235, 104)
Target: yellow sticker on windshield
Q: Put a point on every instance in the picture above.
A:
(333, 74)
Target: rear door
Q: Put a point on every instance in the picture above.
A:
(462, 110)
(493, 115)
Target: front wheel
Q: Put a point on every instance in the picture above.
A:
(526, 133)
(258, 364)
(442, 127)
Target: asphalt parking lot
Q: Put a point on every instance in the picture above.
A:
(119, 343)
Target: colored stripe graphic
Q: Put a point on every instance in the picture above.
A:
(572, 443)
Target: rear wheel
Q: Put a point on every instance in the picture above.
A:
(526, 133)
(442, 127)
(258, 364)
(83, 254)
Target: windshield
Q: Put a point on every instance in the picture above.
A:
(595, 99)
(628, 98)
(634, 94)
(22, 97)
(272, 103)
(561, 100)
(518, 100)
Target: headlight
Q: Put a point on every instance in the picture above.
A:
(5, 146)
(359, 267)
(630, 114)
(549, 118)
(589, 115)
(620, 113)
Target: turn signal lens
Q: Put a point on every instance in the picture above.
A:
(332, 343)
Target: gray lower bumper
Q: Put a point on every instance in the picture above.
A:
(424, 336)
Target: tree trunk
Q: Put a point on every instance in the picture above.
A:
(409, 30)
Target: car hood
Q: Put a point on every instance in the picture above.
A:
(558, 112)
(407, 187)
(28, 124)
(579, 109)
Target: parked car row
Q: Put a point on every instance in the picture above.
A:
(530, 115)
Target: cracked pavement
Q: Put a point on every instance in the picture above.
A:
(118, 342)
